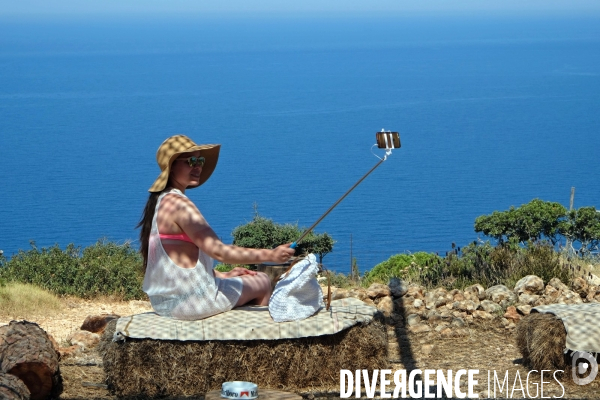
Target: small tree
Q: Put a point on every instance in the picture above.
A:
(263, 233)
(583, 225)
(533, 221)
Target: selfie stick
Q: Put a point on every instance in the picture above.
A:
(385, 140)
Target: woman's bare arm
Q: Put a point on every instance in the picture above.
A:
(187, 216)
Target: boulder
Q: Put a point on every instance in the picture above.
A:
(580, 286)
(397, 287)
(386, 306)
(502, 295)
(529, 284)
(97, 323)
(416, 292)
(377, 290)
(512, 314)
(528, 298)
(413, 319)
(419, 328)
(489, 306)
(84, 339)
(482, 315)
(557, 284)
(524, 309)
(592, 279)
(475, 292)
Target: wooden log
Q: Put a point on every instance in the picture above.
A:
(27, 352)
(12, 388)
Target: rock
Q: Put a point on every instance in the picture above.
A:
(529, 284)
(524, 309)
(441, 301)
(460, 332)
(415, 292)
(557, 284)
(466, 305)
(580, 286)
(550, 292)
(85, 339)
(458, 322)
(458, 296)
(386, 306)
(337, 294)
(593, 293)
(482, 315)
(427, 349)
(446, 332)
(397, 287)
(489, 306)
(369, 302)
(71, 351)
(528, 298)
(358, 293)
(569, 297)
(512, 314)
(501, 294)
(378, 290)
(419, 328)
(433, 316)
(418, 303)
(592, 279)
(475, 292)
(440, 327)
(97, 323)
(413, 319)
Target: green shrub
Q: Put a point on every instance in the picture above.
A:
(263, 233)
(105, 268)
(399, 265)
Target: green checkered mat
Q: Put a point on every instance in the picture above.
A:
(245, 323)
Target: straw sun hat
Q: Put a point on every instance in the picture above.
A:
(176, 145)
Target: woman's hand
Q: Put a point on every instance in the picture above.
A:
(283, 253)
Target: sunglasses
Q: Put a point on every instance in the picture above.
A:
(193, 161)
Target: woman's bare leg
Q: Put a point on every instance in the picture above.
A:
(256, 290)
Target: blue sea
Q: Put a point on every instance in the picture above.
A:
(492, 112)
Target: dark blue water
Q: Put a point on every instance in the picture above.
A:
(492, 113)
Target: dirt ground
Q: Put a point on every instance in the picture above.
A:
(488, 349)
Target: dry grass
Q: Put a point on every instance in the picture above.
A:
(153, 369)
(541, 339)
(19, 300)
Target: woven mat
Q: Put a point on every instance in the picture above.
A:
(245, 323)
(582, 323)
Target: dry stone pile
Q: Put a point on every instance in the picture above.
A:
(451, 312)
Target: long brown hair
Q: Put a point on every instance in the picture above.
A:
(146, 225)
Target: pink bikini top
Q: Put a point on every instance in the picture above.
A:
(182, 236)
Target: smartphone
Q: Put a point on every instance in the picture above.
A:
(388, 140)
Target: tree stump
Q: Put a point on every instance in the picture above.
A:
(12, 388)
(27, 353)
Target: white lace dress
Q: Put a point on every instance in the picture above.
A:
(185, 293)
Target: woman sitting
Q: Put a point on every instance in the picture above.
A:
(178, 245)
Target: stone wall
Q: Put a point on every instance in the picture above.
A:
(448, 312)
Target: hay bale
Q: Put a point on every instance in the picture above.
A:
(541, 338)
(145, 368)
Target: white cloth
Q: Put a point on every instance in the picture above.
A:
(582, 323)
(185, 293)
(298, 295)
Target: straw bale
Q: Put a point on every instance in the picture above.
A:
(541, 338)
(145, 368)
